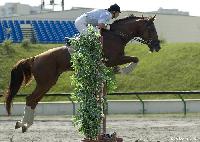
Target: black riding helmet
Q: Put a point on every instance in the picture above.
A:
(114, 8)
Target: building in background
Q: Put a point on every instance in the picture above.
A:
(171, 12)
(17, 9)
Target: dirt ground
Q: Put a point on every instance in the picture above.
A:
(132, 128)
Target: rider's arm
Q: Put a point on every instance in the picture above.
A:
(103, 20)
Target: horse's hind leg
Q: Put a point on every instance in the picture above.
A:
(46, 73)
(31, 102)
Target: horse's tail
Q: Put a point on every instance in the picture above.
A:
(20, 72)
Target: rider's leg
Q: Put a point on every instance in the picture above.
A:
(81, 24)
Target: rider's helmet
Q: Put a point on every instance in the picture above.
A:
(114, 8)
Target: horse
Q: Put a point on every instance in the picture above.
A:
(49, 65)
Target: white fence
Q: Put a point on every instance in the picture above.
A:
(114, 107)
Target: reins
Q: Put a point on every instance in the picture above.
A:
(131, 36)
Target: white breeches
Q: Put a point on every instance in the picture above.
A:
(81, 24)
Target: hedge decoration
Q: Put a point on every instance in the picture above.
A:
(89, 74)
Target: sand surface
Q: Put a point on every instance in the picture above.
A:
(148, 128)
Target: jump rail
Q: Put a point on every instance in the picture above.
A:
(137, 94)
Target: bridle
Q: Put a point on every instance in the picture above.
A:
(126, 36)
(153, 44)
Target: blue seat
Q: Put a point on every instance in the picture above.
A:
(36, 30)
(53, 31)
(2, 38)
(22, 22)
(49, 32)
(18, 30)
(43, 31)
(28, 22)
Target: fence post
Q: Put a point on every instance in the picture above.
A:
(143, 108)
(184, 104)
(73, 105)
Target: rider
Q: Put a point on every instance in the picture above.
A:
(98, 18)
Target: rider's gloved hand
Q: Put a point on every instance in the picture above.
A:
(104, 26)
(107, 27)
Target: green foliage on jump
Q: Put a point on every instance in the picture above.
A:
(89, 74)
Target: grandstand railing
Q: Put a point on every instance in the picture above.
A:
(137, 94)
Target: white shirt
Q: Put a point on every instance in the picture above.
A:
(97, 16)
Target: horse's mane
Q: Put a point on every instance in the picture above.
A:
(131, 16)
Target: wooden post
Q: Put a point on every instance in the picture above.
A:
(102, 95)
(104, 108)
(103, 136)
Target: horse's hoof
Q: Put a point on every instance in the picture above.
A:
(116, 69)
(24, 129)
(17, 125)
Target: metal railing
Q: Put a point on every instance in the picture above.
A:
(179, 93)
(137, 94)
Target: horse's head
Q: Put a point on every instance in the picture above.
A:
(149, 35)
(132, 27)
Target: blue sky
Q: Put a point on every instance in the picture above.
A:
(191, 6)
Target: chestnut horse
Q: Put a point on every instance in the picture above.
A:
(47, 67)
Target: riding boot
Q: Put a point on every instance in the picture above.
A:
(67, 41)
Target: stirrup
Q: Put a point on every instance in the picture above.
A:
(68, 43)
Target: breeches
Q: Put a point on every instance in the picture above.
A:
(81, 24)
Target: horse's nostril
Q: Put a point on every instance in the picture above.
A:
(157, 49)
(151, 50)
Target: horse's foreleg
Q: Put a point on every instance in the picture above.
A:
(124, 60)
(133, 61)
(127, 69)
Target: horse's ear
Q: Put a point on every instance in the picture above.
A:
(153, 18)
